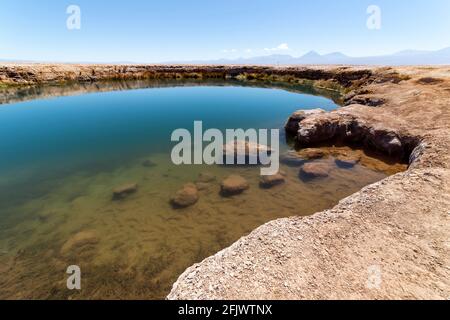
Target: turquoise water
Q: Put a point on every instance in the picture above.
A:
(132, 122)
(62, 157)
(41, 138)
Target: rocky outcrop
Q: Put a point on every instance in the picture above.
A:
(343, 126)
(364, 99)
(292, 125)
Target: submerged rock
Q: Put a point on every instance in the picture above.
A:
(43, 216)
(233, 185)
(297, 158)
(206, 177)
(78, 241)
(292, 125)
(292, 158)
(347, 161)
(315, 170)
(245, 149)
(185, 197)
(312, 153)
(268, 182)
(124, 191)
(201, 186)
(148, 163)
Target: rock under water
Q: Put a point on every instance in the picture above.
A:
(315, 170)
(124, 191)
(185, 197)
(268, 182)
(234, 185)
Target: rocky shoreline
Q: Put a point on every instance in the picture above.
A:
(19, 81)
(395, 231)
(398, 227)
(32, 74)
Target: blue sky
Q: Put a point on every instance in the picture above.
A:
(173, 30)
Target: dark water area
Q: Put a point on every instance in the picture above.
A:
(61, 157)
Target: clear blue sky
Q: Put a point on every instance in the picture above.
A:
(158, 31)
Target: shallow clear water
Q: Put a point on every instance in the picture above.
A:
(62, 157)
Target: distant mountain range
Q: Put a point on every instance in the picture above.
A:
(407, 57)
